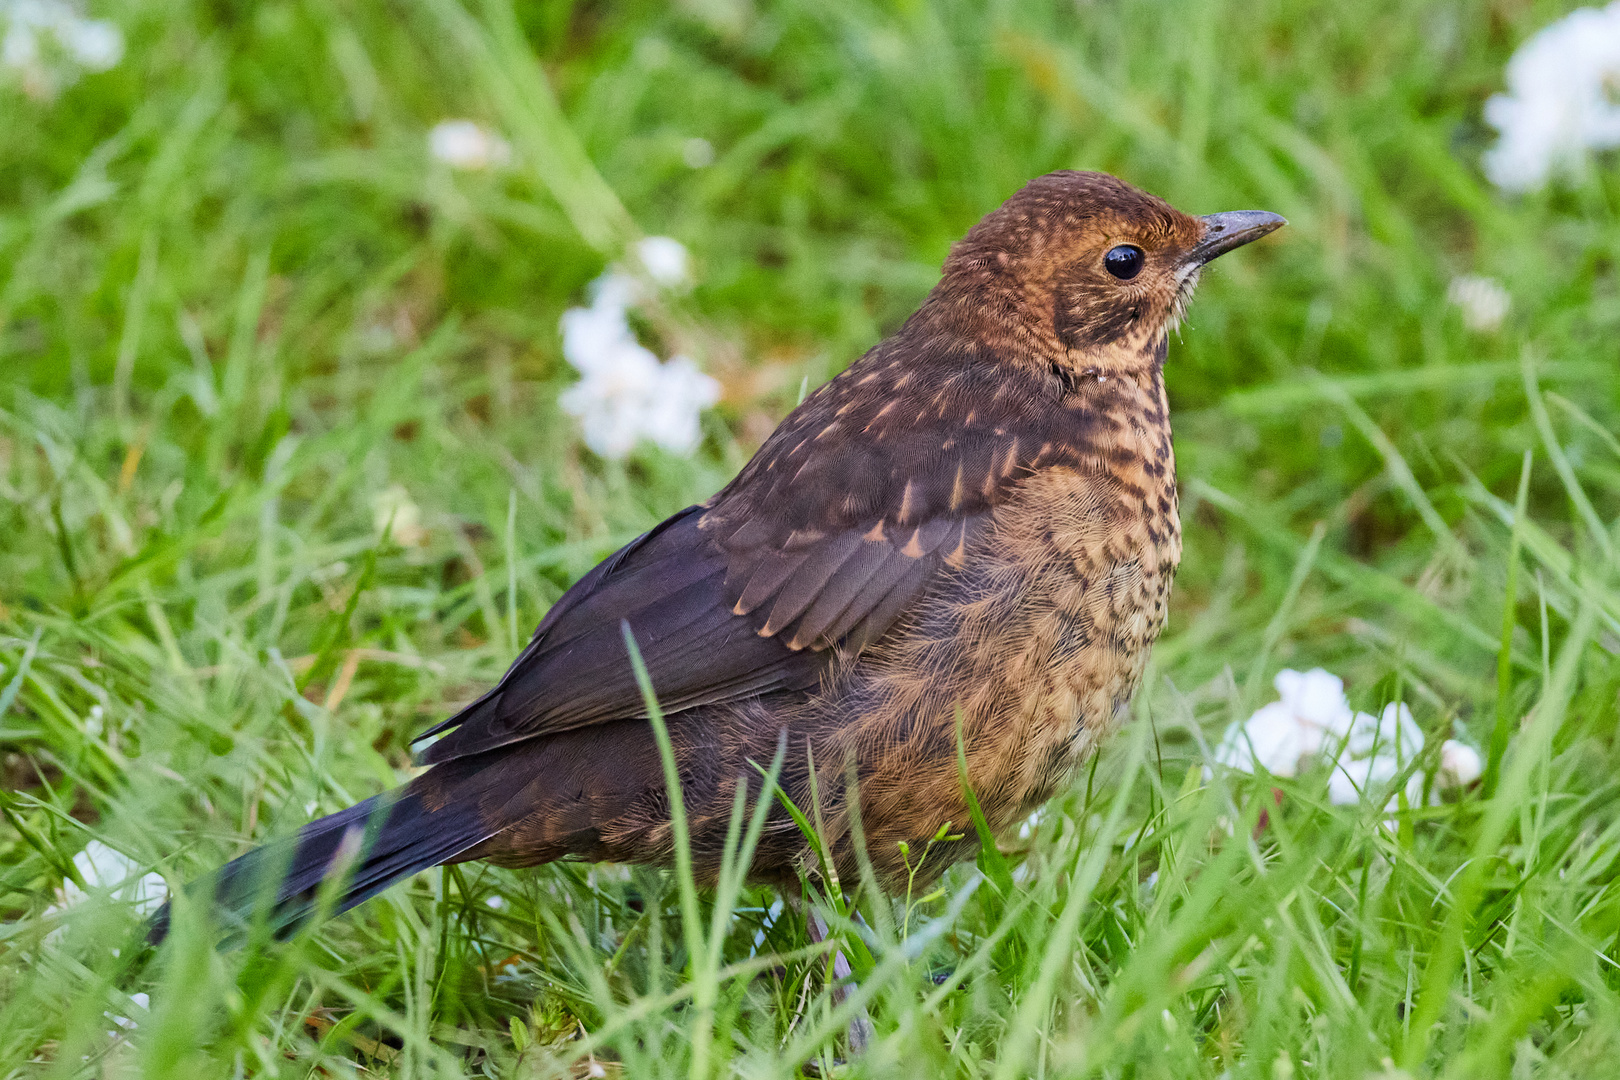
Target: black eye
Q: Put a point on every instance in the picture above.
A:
(1124, 262)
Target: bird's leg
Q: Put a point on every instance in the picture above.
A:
(860, 1025)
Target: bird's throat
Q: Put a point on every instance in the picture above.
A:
(1139, 358)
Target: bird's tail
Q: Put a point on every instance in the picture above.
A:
(363, 849)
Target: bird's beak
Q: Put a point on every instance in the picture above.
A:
(1233, 229)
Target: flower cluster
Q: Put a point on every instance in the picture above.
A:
(1560, 102)
(48, 43)
(1312, 719)
(109, 872)
(625, 394)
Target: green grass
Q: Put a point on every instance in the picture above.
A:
(238, 303)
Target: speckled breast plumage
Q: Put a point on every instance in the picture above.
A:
(1032, 648)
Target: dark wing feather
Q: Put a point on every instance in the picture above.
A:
(669, 586)
(889, 606)
(835, 597)
(827, 537)
(807, 581)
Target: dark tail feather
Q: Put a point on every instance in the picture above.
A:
(372, 845)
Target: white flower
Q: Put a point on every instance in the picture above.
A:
(1560, 101)
(614, 293)
(95, 43)
(664, 259)
(47, 42)
(1353, 780)
(1313, 719)
(625, 394)
(125, 1024)
(1032, 824)
(1279, 736)
(20, 49)
(393, 512)
(672, 422)
(697, 152)
(1316, 698)
(463, 144)
(591, 335)
(1483, 301)
(1459, 764)
(111, 873)
(1393, 733)
(1376, 749)
(1272, 739)
(1148, 886)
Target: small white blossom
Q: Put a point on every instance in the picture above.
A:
(393, 512)
(698, 153)
(95, 43)
(664, 258)
(48, 43)
(1316, 697)
(1460, 764)
(465, 145)
(1149, 885)
(1376, 749)
(772, 913)
(125, 1024)
(1281, 735)
(625, 394)
(1482, 300)
(1353, 779)
(1272, 738)
(1392, 732)
(614, 293)
(111, 873)
(1560, 102)
(1032, 824)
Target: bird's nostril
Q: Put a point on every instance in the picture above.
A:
(1223, 232)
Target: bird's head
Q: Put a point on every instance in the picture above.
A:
(1083, 270)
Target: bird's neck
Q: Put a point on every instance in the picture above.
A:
(1139, 360)
(1016, 322)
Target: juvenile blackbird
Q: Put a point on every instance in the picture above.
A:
(973, 527)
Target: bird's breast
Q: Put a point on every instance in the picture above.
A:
(1036, 643)
(1088, 560)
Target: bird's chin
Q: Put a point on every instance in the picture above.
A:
(1183, 297)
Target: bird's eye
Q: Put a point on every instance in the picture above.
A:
(1124, 262)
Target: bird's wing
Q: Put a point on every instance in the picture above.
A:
(668, 585)
(825, 538)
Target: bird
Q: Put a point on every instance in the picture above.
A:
(963, 542)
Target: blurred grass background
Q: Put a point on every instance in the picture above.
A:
(242, 313)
